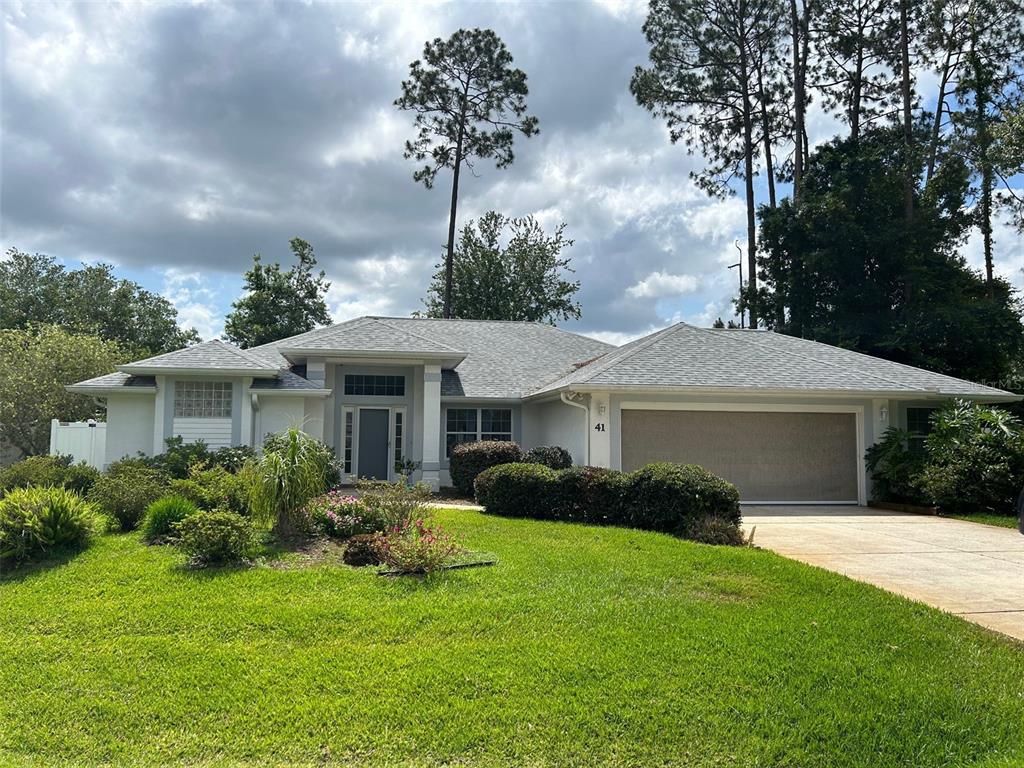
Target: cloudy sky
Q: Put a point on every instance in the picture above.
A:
(176, 140)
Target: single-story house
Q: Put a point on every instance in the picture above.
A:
(785, 419)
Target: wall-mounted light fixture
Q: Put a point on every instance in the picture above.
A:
(883, 414)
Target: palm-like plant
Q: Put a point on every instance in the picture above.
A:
(283, 479)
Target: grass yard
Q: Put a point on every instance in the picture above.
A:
(1002, 521)
(583, 647)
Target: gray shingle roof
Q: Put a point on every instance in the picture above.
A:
(215, 355)
(116, 380)
(364, 334)
(687, 357)
(504, 359)
(285, 381)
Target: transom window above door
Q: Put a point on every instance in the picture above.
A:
(374, 385)
(470, 425)
(202, 399)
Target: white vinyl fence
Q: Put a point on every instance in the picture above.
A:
(85, 440)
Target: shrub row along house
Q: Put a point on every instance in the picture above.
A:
(784, 419)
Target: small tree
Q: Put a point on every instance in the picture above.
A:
(469, 102)
(35, 366)
(523, 280)
(279, 304)
(289, 472)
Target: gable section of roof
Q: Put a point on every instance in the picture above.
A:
(213, 355)
(687, 357)
(366, 334)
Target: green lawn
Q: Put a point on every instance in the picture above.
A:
(1003, 521)
(582, 647)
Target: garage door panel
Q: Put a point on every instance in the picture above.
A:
(769, 456)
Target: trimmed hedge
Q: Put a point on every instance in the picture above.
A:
(553, 456)
(214, 538)
(470, 459)
(662, 496)
(682, 499)
(518, 490)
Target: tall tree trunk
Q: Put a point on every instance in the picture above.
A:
(933, 144)
(767, 137)
(450, 257)
(984, 141)
(856, 94)
(748, 169)
(798, 103)
(908, 126)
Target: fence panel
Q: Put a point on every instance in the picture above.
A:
(84, 440)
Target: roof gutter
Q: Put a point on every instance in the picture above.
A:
(905, 394)
(564, 396)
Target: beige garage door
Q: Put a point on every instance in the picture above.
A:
(769, 456)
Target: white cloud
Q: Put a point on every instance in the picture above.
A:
(195, 302)
(658, 285)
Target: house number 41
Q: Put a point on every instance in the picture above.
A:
(599, 427)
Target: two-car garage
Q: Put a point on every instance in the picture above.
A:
(771, 455)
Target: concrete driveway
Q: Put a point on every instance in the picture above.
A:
(975, 571)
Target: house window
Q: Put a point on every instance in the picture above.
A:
(468, 425)
(919, 426)
(202, 399)
(374, 386)
(349, 426)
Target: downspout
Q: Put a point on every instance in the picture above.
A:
(586, 427)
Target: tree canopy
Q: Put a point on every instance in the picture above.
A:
(278, 304)
(524, 279)
(469, 103)
(845, 266)
(35, 365)
(35, 289)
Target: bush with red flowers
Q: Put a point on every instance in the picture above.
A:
(418, 546)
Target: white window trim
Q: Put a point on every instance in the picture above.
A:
(857, 410)
(479, 422)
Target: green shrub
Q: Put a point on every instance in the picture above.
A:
(178, 456)
(56, 471)
(470, 459)
(40, 520)
(232, 458)
(668, 497)
(895, 469)
(590, 495)
(552, 456)
(338, 515)
(975, 459)
(215, 538)
(125, 492)
(213, 488)
(518, 490)
(681, 499)
(161, 516)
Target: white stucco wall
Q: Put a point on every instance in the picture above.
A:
(555, 423)
(129, 425)
(279, 413)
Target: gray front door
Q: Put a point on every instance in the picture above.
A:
(373, 443)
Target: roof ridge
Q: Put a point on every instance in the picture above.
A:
(241, 353)
(750, 340)
(384, 322)
(603, 362)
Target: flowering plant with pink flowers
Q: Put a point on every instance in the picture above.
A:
(339, 515)
(418, 546)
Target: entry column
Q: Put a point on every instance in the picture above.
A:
(431, 426)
